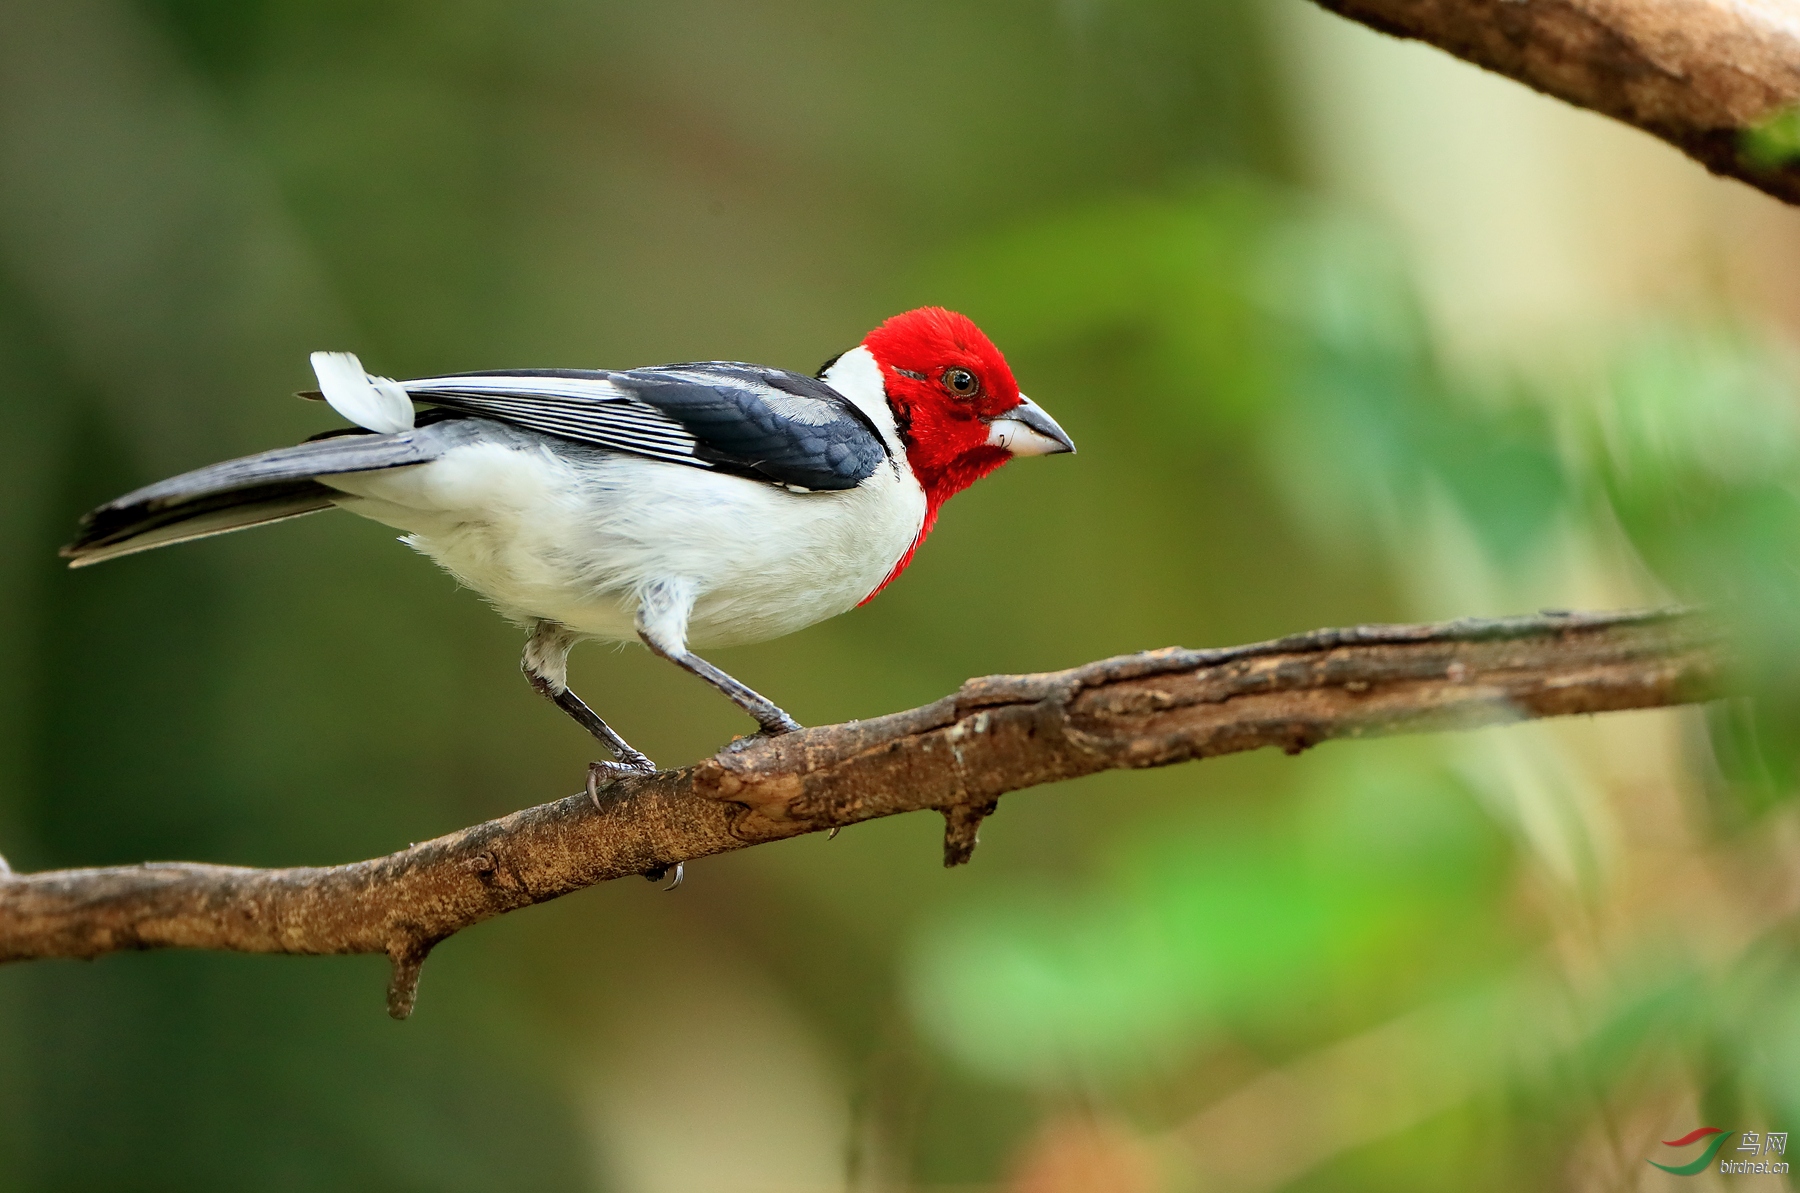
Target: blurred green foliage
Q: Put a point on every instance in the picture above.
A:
(1775, 142)
(194, 194)
(1212, 928)
(1697, 443)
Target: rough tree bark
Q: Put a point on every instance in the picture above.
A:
(956, 756)
(1717, 79)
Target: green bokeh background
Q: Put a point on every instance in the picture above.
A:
(1506, 960)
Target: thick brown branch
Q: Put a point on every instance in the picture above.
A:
(1707, 76)
(956, 756)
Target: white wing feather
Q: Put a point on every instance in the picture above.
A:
(373, 402)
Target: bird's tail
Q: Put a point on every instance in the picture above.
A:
(271, 486)
(262, 488)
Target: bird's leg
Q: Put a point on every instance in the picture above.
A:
(546, 665)
(662, 624)
(767, 713)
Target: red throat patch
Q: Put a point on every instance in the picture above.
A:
(944, 379)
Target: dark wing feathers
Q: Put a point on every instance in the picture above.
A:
(762, 423)
(586, 407)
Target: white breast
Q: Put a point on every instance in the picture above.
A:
(544, 531)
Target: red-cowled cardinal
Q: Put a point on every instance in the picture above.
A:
(703, 504)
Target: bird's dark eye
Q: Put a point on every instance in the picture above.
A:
(961, 382)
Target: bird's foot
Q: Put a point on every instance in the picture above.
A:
(632, 764)
(768, 732)
(660, 872)
(776, 723)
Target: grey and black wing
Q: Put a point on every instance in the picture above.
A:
(766, 424)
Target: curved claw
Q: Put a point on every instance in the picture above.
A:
(656, 875)
(637, 764)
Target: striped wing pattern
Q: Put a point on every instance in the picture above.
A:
(587, 408)
(763, 423)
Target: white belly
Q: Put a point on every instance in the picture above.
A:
(577, 537)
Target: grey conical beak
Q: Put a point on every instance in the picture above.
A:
(1026, 430)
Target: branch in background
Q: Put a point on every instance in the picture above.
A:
(1717, 79)
(956, 756)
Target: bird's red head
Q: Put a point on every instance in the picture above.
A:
(960, 413)
(945, 380)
